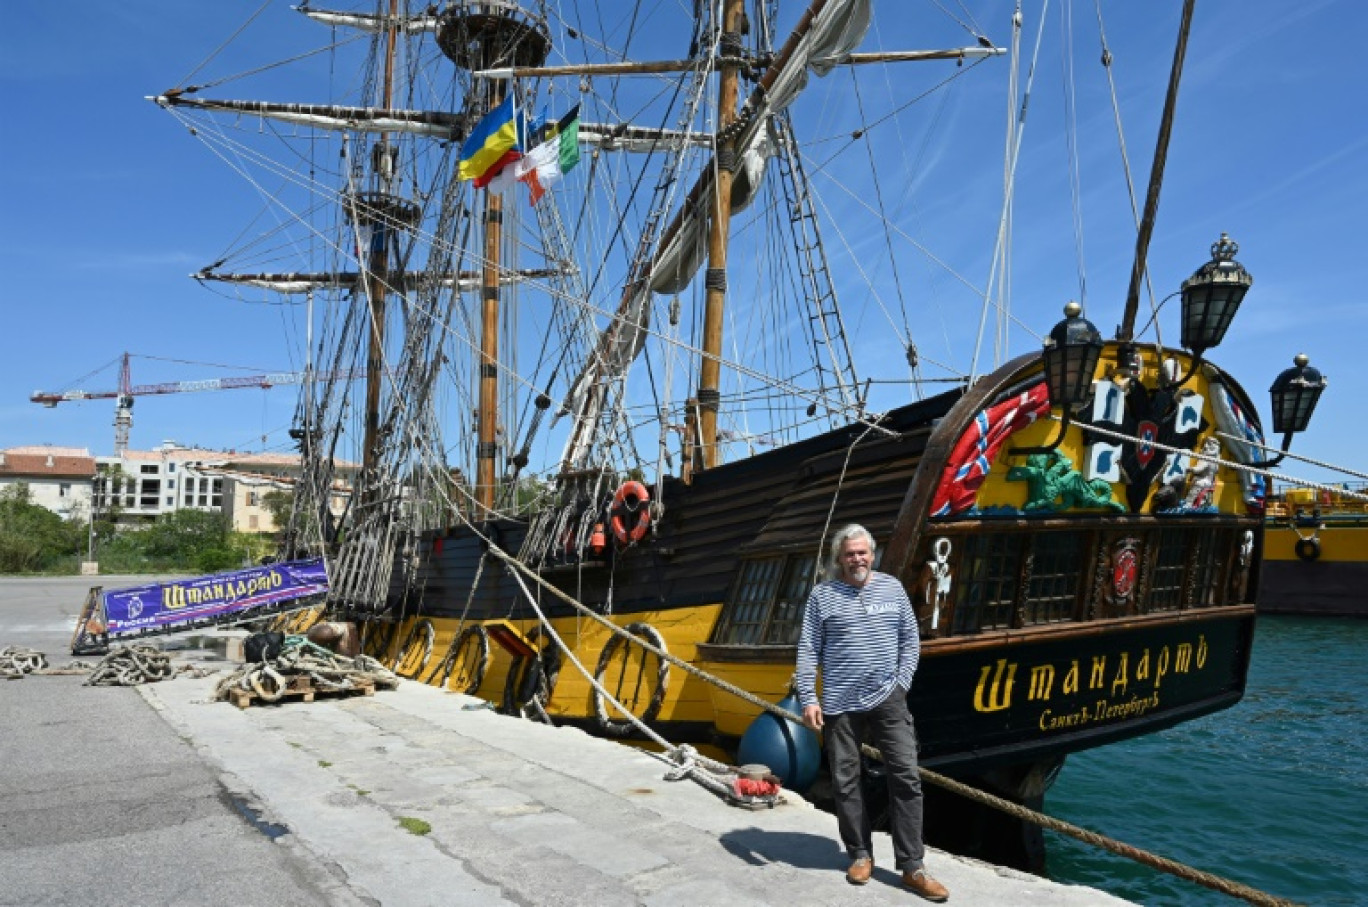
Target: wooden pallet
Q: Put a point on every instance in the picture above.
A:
(301, 689)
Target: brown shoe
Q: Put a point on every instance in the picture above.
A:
(860, 871)
(925, 886)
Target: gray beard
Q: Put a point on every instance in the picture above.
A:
(858, 576)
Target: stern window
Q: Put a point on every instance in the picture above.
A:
(1166, 589)
(1053, 590)
(988, 582)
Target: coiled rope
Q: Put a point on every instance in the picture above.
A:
(686, 756)
(18, 661)
(719, 778)
(329, 672)
(129, 666)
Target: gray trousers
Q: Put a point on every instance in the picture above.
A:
(887, 726)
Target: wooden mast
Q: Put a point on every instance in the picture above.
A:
(719, 228)
(474, 36)
(488, 421)
(1126, 332)
(378, 266)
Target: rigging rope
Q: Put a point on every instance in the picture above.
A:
(1235, 889)
(687, 761)
(1004, 220)
(1126, 166)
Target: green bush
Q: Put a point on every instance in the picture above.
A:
(33, 539)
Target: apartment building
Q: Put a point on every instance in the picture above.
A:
(144, 484)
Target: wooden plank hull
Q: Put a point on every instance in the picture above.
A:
(1061, 628)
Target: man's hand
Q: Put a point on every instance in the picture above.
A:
(812, 716)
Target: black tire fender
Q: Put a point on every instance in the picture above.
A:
(480, 637)
(532, 677)
(621, 727)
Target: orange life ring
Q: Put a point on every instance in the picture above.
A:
(631, 515)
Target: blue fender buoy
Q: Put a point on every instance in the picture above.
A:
(790, 750)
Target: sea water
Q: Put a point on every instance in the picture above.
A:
(1272, 793)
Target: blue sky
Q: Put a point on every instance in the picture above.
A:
(109, 205)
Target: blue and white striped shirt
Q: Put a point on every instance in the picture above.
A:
(864, 638)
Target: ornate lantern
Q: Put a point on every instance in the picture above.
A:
(1295, 394)
(1071, 355)
(1212, 296)
(1070, 359)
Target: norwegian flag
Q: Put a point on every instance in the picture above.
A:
(973, 454)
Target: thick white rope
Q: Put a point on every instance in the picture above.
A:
(686, 761)
(1232, 464)
(1309, 460)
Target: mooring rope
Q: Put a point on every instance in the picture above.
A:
(1287, 453)
(18, 661)
(128, 666)
(1232, 464)
(686, 761)
(1197, 876)
(1164, 864)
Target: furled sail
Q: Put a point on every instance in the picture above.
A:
(333, 117)
(369, 22)
(300, 282)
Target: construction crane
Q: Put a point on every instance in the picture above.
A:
(123, 397)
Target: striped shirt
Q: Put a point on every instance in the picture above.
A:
(865, 640)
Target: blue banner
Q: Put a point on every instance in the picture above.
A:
(159, 605)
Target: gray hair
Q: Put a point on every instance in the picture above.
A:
(843, 535)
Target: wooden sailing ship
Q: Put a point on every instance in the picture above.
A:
(1081, 550)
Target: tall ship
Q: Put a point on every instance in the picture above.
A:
(653, 298)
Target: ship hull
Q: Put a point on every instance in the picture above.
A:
(1046, 630)
(1326, 579)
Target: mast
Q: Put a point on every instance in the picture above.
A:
(1125, 333)
(824, 36)
(709, 397)
(488, 421)
(476, 36)
(382, 167)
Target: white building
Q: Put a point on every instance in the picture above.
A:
(144, 484)
(147, 484)
(58, 478)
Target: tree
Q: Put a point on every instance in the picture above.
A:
(196, 539)
(33, 538)
(279, 503)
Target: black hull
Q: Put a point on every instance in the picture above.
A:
(1065, 630)
(1319, 588)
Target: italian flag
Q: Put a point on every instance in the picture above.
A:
(556, 156)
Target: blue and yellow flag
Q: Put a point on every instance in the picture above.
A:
(492, 145)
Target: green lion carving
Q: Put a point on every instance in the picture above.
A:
(1053, 485)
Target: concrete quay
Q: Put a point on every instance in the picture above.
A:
(523, 813)
(157, 796)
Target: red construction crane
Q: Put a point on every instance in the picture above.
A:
(123, 407)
